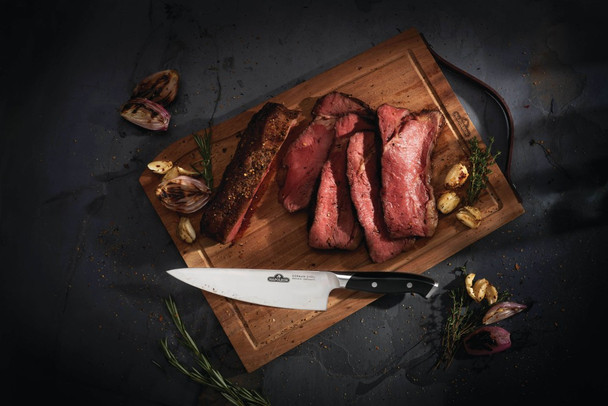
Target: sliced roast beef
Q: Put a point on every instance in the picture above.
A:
(337, 104)
(407, 194)
(266, 132)
(364, 179)
(335, 224)
(389, 119)
(301, 166)
(302, 163)
(351, 123)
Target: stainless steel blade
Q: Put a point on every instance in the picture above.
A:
(305, 290)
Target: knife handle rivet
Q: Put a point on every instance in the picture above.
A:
(409, 285)
(374, 284)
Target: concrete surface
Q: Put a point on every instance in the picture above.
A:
(84, 253)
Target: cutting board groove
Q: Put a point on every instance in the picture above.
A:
(400, 71)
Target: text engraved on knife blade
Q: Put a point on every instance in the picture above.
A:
(303, 277)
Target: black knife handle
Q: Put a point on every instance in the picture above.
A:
(392, 282)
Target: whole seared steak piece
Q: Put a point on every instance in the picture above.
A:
(364, 179)
(259, 144)
(407, 194)
(335, 224)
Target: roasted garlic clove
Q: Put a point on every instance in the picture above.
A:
(479, 289)
(183, 194)
(147, 114)
(160, 87)
(171, 174)
(447, 202)
(187, 172)
(160, 167)
(185, 230)
(491, 294)
(456, 176)
(501, 311)
(487, 340)
(469, 216)
(468, 284)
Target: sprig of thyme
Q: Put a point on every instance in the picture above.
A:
(459, 323)
(464, 316)
(204, 165)
(207, 375)
(480, 160)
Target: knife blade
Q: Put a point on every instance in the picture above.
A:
(299, 289)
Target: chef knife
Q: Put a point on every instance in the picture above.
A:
(298, 289)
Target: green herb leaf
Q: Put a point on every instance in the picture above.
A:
(204, 166)
(458, 324)
(464, 316)
(208, 375)
(480, 161)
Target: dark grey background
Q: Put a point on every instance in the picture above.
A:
(84, 254)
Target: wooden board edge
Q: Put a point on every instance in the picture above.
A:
(253, 357)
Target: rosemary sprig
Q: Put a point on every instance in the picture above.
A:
(207, 375)
(480, 160)
(204, 165)
(204, 142)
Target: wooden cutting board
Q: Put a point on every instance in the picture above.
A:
(400, 71)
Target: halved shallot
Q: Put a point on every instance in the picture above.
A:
(147, 114)
(183, 194)
(501, 311)
(160, 87)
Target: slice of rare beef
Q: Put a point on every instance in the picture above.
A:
(389, 119)
(364, 179)
(335, 104)
(351, 123)
(407, 194)
(335, 224)
(266, 132)
(302, 163)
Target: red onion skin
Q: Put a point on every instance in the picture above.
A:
(487, 340)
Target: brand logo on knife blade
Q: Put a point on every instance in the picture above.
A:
(278, 278)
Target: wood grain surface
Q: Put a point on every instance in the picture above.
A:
(400, 71)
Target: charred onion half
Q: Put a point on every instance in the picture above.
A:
(146, 106)
(183, 194)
